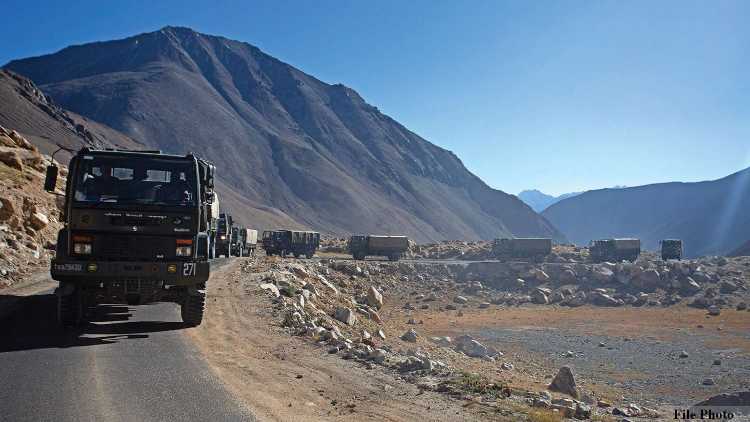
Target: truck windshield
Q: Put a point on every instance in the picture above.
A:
(149, 181)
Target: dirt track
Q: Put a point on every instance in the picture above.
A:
(285, 378)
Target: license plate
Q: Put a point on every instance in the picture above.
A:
(69, 267)
(188, 269)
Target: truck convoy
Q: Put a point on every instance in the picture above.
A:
(615, 250)
(520, 247)
(247, 239)
(213, 226)
(224, 235)
(671, 249)
(136, 230)
(297, 243)
(393, 247)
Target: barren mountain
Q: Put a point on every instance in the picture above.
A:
(25, 108)
(711, 217)
(539, 201)
(291, 146)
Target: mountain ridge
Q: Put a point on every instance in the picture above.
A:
(707, 215)
(317, 153)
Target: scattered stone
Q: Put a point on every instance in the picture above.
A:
(345, 315)
(709, 381)
(374, 298)
(11, 159)
(484, 305)
(272, 288)
(714, 310)
(684, 355)
(460, 299)
(564, 382)
(410, 336)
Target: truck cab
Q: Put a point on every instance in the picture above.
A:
(135, 231)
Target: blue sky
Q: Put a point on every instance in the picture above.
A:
(560, 96)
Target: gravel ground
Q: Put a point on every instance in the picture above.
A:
(647, 370)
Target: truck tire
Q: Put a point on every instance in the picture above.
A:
(309, 255)
(191, 309)
(71, 307)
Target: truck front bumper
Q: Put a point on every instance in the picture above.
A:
(171, 273)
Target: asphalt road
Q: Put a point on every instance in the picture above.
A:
(127, 364)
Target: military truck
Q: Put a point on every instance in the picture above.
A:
(671, 249)
(237, 243)
(615, 250)
(297, 243)
(521, 247)
(249, 238)
(135, 231)
(213, 226)
(224, 235)
(393, 247)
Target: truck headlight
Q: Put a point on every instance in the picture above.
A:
(82, 248)
(184, 251)
(223, 238)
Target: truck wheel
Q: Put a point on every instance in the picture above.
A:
(192, 307)
(71, 306)
(297, 255)
(309, 255)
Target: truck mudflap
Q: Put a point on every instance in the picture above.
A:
(177, 272)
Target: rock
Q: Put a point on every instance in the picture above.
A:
(460, 299)
(649, 280)
(709, 381)
(374, 298)
(603, 299)
(568, 276)
(472, 348)
(345, 315)
(722, 261)
(377, 355)
(451, 307)
(684, 355)
(741, 306)
(690, 286)
(381, 334)
(730, 401)
(727, 287)
(507, 366)
(583, 411)
(442, 341)
(272, 288)
(602, 274)
(299, 271)
(410, 336)
(328, 284)
(538, 296)
(11, 159)
(484, 305)
(564, 382)
(38, 221)
(7, 210)
(717, 362)
(541, 276)
(714, 310)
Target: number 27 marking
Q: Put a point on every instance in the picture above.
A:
(188, 268)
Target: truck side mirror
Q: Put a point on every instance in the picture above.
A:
(50, 181)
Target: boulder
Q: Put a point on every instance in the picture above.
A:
(7, 210)
(11, 159)
(271, 288)
(714, 310)
(568, 276)
(602, 273)
(690, 286)
(410, 336)
(538, 296)
(564, 382)
(649, 280)
(472, 348)
(345, 315)
(603, 299)
(460, 299)
(374, 298)
(727, 286)
(38, 221)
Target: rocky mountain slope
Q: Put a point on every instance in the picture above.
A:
(294, 148)
(26, 109)
(539, 201)
(28, 215)
(711, 217)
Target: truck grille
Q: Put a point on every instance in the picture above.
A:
(133, 248)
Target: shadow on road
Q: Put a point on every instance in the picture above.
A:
(32, 325)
